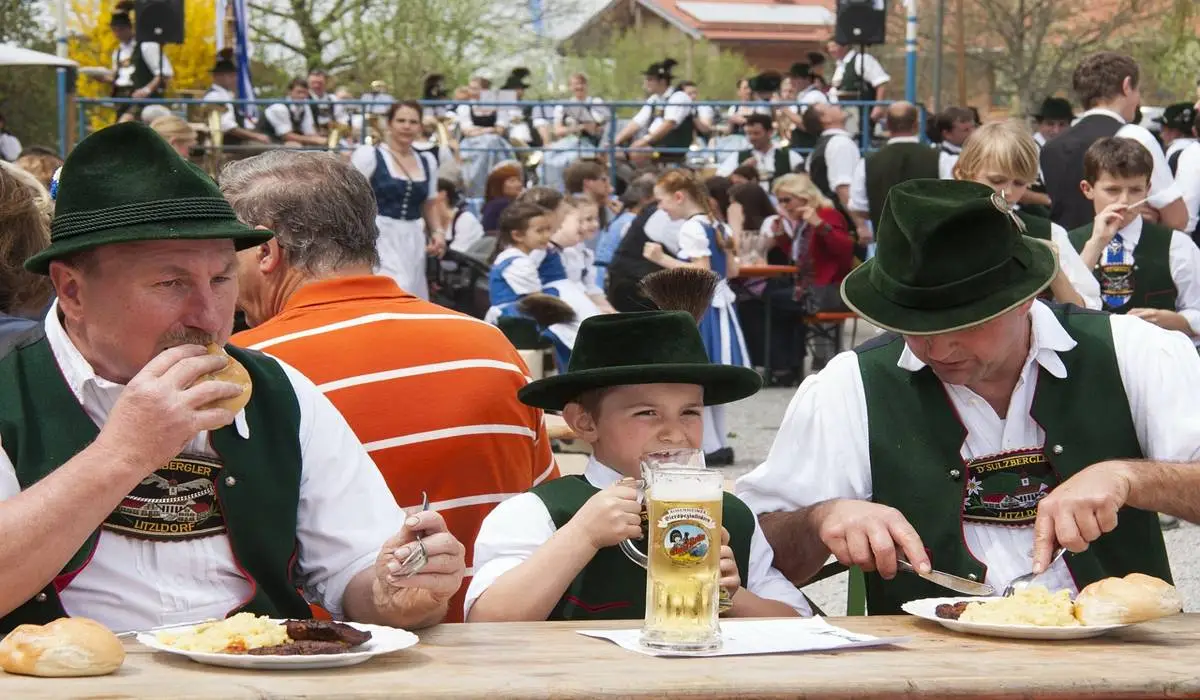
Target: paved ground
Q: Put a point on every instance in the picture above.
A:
(755, 421)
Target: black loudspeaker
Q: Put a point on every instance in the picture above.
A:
(159, 20)
(861, 22)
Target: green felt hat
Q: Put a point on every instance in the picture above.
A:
(645, 347)
(950, 255)
(125, 183)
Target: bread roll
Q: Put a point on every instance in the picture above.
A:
(69, 646)
(232, 372)
(1135, 598)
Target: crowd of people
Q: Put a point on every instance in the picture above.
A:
(1040, 290)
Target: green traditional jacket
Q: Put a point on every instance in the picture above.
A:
(611, 587)
(1149, 278)
(916, 464)
(42, 426)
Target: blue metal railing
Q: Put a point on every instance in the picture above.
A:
(608, 148)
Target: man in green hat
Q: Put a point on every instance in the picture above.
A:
(987, 427)
(130, 491)
(637, 384)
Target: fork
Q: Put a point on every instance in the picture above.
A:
(417, 559)
(1020, 583)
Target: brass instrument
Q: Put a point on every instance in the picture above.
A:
(216, 140)
(336, 129)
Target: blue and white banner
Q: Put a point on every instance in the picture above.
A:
(241, 27)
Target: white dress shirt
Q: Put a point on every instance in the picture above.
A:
(280, 117)
(841, 158)
(514, 530)
(870, 70)
(1187, 176)
(678, 107)
(764, 162)
(1185, 270)
(858, 183)
(345, 515)
(1163, 190)
(821, 451)
(1072, 265)
(948, 155)
(216, 93)
(122, 62)
(1039, 139)
(465, 231)
(587, 112)
(811, 95)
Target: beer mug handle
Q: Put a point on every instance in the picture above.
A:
(628, 548)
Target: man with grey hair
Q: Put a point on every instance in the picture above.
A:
(431, 393)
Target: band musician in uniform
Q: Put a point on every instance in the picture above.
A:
(139, 69)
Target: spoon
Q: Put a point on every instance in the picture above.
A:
(1020, 583)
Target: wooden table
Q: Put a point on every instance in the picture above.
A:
(544, 660)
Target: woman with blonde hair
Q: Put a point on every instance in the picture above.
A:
(176, 132)
(815, 237)
(1004, 156)
(25, 213)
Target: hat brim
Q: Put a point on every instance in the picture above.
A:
(864, 299)
(183, 229)
(721, 383)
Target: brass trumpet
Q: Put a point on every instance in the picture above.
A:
(336, 129)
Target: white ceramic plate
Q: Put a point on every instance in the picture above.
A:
(384, 640)
(926, 608)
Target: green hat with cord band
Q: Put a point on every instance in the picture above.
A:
(950, 255)
(647, 347)
(125, 183)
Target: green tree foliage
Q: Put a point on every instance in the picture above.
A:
(615, 69)
(27, 94)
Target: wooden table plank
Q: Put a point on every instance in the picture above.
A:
(544, 660)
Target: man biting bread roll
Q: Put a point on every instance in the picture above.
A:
(142, 481)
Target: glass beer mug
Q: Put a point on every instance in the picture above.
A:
(683, 598)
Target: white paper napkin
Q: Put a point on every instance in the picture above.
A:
(744, 637)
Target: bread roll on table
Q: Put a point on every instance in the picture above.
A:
(69, 646)
(1120, 601)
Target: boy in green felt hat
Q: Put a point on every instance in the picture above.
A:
(988, 428)
(637, 384)
(131, 492)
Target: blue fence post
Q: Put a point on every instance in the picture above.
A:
(910, 53)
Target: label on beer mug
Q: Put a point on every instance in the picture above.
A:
(685, 534)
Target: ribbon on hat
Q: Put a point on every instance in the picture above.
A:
(54, 183)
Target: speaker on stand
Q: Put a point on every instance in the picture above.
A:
(160, 21)
(861, 23)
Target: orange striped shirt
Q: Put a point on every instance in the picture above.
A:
(430, 392)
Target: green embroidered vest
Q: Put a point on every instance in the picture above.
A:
(893, 164)
(42, 426)
(611, 587)
(782, 163)
(1153, 287)
(917, 468)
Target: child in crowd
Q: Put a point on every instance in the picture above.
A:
(1004, 156)
(636, 196)
(579, 258)
(552, 268)
(463, 228)
(706, 243)
(1144, 269)
(636, 386)
(525, 229)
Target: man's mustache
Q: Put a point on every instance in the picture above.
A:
(187, 336)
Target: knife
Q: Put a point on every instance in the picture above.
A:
(945, 580)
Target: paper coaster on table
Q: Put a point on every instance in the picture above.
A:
(746, 637)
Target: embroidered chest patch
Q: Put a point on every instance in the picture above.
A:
(177, 502)
(1005, 489)
(1116, 283)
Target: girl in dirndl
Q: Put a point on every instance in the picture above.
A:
(405, 184)
(707, 243)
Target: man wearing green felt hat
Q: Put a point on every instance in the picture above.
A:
(987, 427)
(637, 384)
(149, 476)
